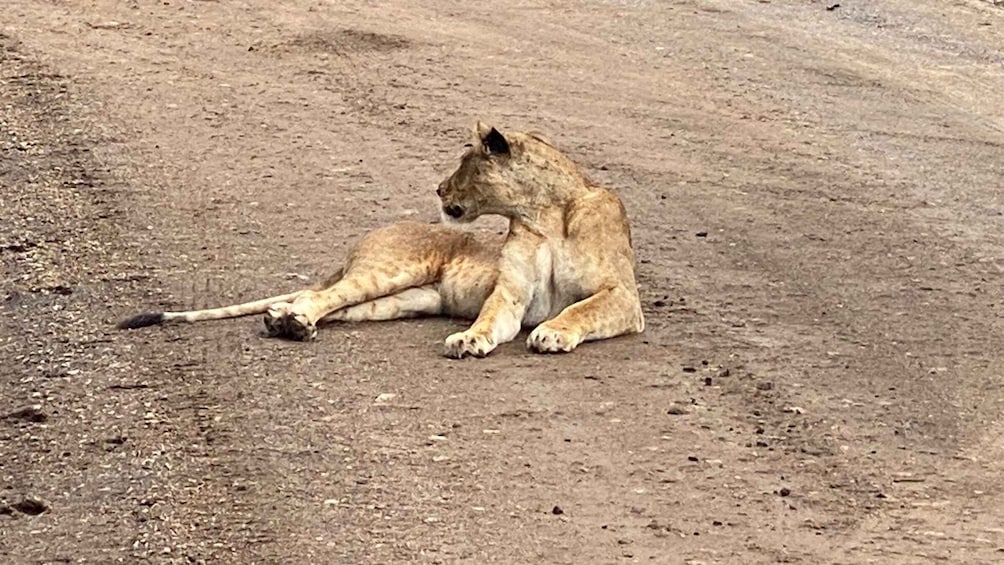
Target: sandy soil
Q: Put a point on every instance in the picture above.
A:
(816, 203)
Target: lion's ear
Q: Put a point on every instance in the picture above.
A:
(481, 130)
(494, 143)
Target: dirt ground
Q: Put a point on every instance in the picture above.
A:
(816, 202)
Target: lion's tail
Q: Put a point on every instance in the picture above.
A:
(235, 311)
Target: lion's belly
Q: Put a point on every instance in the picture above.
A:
(540, 310)
(556, 288)
(465, 285)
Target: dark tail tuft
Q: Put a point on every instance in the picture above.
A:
(142, 320)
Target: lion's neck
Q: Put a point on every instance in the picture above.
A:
(547, 218)
(551, 184)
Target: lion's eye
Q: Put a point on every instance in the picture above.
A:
(468, 145)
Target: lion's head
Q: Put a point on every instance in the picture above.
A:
(505, 175)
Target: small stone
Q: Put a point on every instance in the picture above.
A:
(785, 491)
(692, 458)
(31, 505)
(32, 414)
(557, 511)
(61, 290)
(701, 234)
(676, 410)
(659, 303)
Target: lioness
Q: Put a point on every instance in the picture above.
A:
(566, 267)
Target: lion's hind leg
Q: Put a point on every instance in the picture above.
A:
(410, 303)
(298, 320)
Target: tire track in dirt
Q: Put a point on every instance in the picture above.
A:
(925, 257)
(105, 438)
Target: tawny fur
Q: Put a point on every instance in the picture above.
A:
(566, 267)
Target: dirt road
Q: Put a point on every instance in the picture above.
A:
(816, 202)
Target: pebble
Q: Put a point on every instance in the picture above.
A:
(28, 414)
(31, 505)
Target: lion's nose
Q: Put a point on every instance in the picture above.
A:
(454, 211)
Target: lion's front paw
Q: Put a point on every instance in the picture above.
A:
(463, 344)
(548, 340)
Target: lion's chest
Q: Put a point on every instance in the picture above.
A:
(557, 284)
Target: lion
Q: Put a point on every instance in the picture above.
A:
(565, 269)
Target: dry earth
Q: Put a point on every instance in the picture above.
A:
(816, 201)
